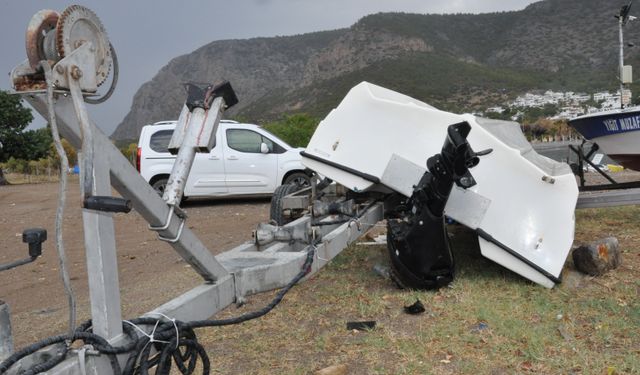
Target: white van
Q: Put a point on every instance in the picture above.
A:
(247, 160)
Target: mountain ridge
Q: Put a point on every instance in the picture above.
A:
(454, 61)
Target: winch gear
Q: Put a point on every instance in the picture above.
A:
(77, 25)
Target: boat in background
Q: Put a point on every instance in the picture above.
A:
(616, 132)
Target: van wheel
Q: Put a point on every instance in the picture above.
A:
(277, 213)
(160, 185)
(300, 179)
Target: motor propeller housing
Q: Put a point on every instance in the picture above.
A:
(418, 243)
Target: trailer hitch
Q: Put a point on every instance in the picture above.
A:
(418, 244)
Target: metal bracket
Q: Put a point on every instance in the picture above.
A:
(81, 65)
(176, 238)
(579, 171)
(181, 214)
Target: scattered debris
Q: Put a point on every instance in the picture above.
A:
(416, 308)
(447, 359)
(597, 257)
(361, 326)
(526, 366)
(333, 370)
(380, 239)
(564, 333)
(481, 326)
(382, 271)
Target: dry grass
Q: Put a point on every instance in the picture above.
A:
(21, 179)
(585, 326)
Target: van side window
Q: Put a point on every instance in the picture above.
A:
(159, 141)
(249, 141)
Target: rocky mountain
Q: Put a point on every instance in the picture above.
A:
(458, 62)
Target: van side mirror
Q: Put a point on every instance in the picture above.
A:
(264, 148)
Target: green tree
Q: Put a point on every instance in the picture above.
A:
(35, 144)
(14, 117)
(296, 129)
(130, 151)
(71, 152)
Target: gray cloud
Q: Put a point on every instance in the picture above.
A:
(147, 33)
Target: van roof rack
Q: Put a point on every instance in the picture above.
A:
(166, 122)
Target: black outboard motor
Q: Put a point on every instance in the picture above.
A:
(418, 244)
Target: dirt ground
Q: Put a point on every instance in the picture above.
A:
(585, 326)
(150, 272)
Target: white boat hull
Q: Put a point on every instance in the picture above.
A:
(522, 206)
(617, 133)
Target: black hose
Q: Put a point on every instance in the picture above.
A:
(14, 264)
(182, 349)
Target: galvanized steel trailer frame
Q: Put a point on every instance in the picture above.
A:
(244, 270)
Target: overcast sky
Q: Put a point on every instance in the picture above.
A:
(147, 34)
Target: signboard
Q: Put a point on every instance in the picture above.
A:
(597, 159)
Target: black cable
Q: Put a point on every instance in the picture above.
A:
(114, 80)
(306, 268)
(185, 354)
(14, 264)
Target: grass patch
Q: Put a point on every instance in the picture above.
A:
(489, 321)
(21, 179)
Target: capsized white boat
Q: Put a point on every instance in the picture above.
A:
(522, 206)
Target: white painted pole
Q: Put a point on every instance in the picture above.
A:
(621, 67)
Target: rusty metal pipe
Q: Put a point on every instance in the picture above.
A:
(184, 160)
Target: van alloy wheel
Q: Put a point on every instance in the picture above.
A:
(301, 180)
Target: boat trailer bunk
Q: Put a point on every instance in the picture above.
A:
(611, 194)
(391, 157)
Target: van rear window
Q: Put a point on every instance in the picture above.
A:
(160, 140)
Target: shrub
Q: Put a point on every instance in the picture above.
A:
(295, 129)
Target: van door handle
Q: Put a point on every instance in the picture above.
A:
(232, 157)
(214, 157)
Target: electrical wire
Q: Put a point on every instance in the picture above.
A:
(64, 167)
(17, 263)
(174, 341)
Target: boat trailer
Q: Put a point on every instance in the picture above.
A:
(610, 194)
(416, 173)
